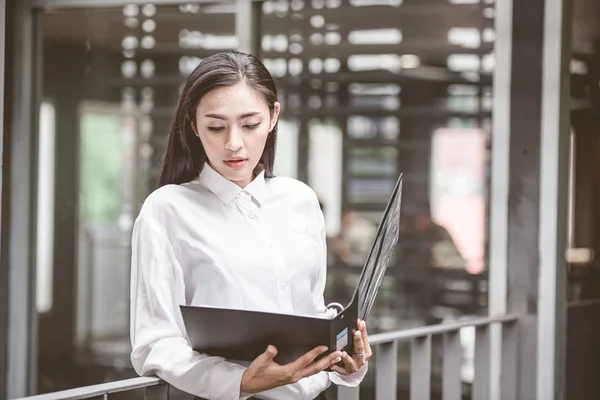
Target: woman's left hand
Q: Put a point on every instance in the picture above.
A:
(362, 352)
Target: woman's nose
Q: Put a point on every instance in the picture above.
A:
(234, 140)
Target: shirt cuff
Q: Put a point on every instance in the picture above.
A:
(313, 385)
(351, 380)
(225, 383)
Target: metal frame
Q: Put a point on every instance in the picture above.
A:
(554, 193)
(247, 26)
(529, 198)
(498, 242)
(48, 4)
(4, 273)
(149, 384)
(19, 192)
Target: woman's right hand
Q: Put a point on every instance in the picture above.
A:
(264, 373)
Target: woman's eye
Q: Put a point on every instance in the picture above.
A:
(251, 127)
(215, 128)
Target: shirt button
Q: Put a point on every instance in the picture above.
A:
(283, 285)
(271, 246)
(251, 215)
(242, 194)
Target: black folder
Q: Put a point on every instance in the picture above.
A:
(243, 335)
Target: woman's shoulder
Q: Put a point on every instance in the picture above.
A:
(163, 201)
(292, 187)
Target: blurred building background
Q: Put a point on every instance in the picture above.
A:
(369, 89)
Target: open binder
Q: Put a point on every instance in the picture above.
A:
(243, 335)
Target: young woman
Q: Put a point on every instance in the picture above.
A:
(222, 231)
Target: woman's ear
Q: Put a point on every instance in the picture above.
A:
(192, 121)
(275, 115)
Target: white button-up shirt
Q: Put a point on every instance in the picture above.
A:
(210, 242)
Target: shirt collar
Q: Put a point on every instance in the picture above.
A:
(227, 190)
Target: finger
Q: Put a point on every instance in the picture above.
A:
(359, 347)
(365, 339)
(329, 361)
(349, 363)
(271, 352)
(340, 370)
(268, 354)
(307, 358)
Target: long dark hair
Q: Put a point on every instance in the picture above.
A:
(185, 157)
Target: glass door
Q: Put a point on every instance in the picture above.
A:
(111, 79)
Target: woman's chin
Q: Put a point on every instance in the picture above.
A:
(241, 177)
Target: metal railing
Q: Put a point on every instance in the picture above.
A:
(385, 348)
(154, 389)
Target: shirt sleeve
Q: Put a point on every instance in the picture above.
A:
(356, 378)
(159, 341)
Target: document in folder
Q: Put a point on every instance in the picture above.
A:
(243, 335)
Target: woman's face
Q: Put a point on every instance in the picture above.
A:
(233, 123)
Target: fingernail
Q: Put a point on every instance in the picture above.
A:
(337, 360)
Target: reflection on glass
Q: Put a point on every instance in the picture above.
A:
(361, 127)
(457, 193)
(114, 75)
(370, 190)
(45, 212)
(101, 154)
(373, 161)
(325, 170)
(108, 143)
(286, 160)
(356, 237)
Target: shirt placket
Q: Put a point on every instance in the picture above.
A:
(251, 212)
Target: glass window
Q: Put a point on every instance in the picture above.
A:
(112, 76)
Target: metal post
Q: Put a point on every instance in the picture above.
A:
(420, 368)
(247, 25)
(553, 207)
(4, 275)
(498, 256)
(529, 189)
(18, 197)
(386, 371)
(102, 3)
(523, 199)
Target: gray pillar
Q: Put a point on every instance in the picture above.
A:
(530, 188)
(247, 26)
(18, 200)
(4, 276)
(553, 210)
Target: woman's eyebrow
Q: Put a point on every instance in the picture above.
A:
(245, 115)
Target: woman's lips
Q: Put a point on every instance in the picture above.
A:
(236, 163)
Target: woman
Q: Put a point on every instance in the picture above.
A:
(222, 231)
